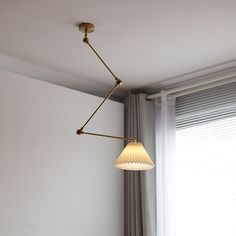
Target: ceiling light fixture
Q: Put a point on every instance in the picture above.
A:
(134, 156)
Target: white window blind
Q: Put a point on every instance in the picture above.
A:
(206, 162)
(206, 179)
(205, 106)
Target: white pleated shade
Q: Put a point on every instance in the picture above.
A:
(134, 157)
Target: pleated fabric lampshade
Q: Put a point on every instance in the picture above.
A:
(134, 157)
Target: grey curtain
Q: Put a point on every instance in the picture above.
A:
(140, 198)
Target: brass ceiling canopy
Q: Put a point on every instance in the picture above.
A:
(134, 156)
(89, 27)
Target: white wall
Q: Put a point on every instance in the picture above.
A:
(53, 182)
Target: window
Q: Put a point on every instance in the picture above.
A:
(206, 162)
(206, 178)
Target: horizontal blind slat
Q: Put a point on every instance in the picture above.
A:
(205, 106)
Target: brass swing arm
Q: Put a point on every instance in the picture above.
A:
(79, 132)
(88, 28)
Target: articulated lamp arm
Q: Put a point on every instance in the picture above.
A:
(88, 28)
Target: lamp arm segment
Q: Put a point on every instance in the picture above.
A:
(79, 132)
(108, 95)
(88, 28)
(86, 40)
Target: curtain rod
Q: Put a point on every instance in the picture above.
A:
(196, 87)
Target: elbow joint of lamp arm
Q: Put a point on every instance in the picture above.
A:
(85, 40)
(79, 131)
(118, 81)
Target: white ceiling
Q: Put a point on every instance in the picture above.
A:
(144, 42)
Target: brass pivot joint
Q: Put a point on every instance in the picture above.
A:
(79, 131)
(118, 81)
(85, 39)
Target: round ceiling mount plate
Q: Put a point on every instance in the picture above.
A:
(90, 27)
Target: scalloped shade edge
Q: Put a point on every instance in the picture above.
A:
(134, 157)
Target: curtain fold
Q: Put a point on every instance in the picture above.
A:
(148, 193)
(140, 205)
(165, 165)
